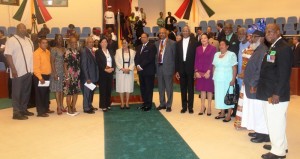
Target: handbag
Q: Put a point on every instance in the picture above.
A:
(231, 99)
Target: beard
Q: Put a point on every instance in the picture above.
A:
(253, 46)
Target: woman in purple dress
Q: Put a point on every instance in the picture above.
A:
(203, 72)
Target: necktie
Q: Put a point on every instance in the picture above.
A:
(142, 48)
(161, 51)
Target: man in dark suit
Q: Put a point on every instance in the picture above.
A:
(234, 46)
(184, 68)
(165, 66)
(172, 35)
(296, 51)
(221, 33)
(198, 36)
(139, 30)
(274, 90)
(145, 64)
(89, 74)
(170, 21)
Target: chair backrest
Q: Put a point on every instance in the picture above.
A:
(280, 20)
(11, 30)
(86, 30)
(292, 19)
(64, 30)
(3, 28)
(239, 22)
(203, 24)
(298, 27)
(257, 19)
(289, 26)
(249, 21)
(291, 32)
(50, 36)
(212, 23)
(147, 30)
(2, 66)
(155, 29)
(220, 21)
(55, 30)
(78, 30)
(229, 21)
(270, 20)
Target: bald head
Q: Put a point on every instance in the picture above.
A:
(162, 33)
(21, 30)
(272, 32)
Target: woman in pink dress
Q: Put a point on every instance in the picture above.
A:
(203, 72)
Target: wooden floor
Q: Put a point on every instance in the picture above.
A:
(82, 136)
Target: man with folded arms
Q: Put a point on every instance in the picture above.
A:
(41, 71)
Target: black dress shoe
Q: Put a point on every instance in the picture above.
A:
(141, 107)
(19, 117)
(161, 107)
(169, 109)
(219, 117)
(50, 111)
(27, 113)
(43, 115)
(183, 110)
(252, 134)
(191, 111)
(269, 155)
(91, 111)
(146, 109)
(269, 147)
(94, 109)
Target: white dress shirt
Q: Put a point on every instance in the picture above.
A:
(185, 44)
(109, 17)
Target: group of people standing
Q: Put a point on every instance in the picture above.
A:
(67, 71)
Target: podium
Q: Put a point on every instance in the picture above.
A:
(295, 81)
(4, 84)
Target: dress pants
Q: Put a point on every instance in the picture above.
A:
(187, 90)
(275, 116)
(21, 87)
(88, 96)
(165, 85)
(146, 87)
(41, 95)
(105, 86)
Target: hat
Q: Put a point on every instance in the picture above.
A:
(259, 33)
(251, 29)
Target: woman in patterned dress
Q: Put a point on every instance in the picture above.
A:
(72, 71)
(57, 75)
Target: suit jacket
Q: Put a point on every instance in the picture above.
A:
(296, 52)
(168, 57)
(172, 36)
(188, 66)
(221, 35)
(139, 28)
(89, 66)
(275, 76)
(102, 63)
(252, 70)
(198, 39)
(234, 45)
(146, 59)
(172, 20)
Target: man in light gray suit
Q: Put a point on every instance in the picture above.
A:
(253, 108)
(89, 74)
(165, 66)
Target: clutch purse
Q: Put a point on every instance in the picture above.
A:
(231, 99)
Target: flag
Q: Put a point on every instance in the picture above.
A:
(188, 6)
(28, 8)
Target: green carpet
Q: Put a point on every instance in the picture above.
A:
(133, 134)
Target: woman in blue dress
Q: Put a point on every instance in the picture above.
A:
(225, 69)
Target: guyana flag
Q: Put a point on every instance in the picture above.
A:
(198, 7)
(28, 8)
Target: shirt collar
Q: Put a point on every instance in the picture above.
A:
(275, 42)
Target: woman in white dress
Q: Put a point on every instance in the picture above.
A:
(124, 72)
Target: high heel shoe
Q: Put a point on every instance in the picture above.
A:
(63, 109)
(208, 114)
(203, 111)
